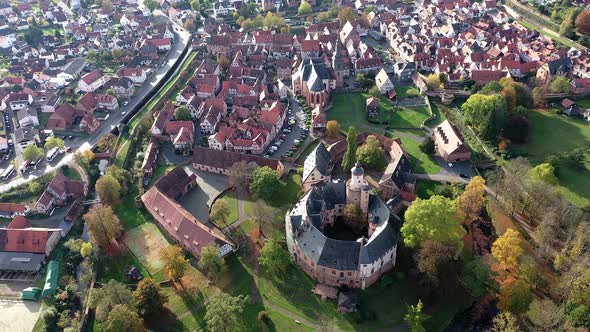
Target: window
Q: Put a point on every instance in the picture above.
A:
(349, 274)
(341, 274)
(334, 272)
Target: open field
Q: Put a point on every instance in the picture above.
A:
(552, 133)
(145, 241)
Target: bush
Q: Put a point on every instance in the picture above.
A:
(263, 317)
(427, 146)
(386, 281)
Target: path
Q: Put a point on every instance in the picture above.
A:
(242, 217)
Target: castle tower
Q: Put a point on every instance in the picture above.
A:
(357, 188)
(338, 66)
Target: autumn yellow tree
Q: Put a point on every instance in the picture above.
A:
(507, 249)
(174, 262)
(471, 201)
(333, 129)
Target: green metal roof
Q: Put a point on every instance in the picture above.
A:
(51, 279)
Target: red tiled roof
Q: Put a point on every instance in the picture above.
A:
(13, 207)
(91, 76)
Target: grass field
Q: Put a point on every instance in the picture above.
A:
(231, 199)
(145, 241)
(423, 163)
(425, 189)
(552, 133)
(128, 213)
(349, 109)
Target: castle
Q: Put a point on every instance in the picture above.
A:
(354, 263)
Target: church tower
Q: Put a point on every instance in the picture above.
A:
(338, 65)
(357, 189)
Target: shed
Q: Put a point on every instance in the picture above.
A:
(325, 291)
(31, 293)
(349, 301)
(51, 279)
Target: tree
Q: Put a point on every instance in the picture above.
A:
(583, 22)
(333, 129)
(104, 299)
(108, 189)
(54, 142)
(539, 97)
(324, 17)
(86, 249)
(544, 172)
(566, 28)
(349, 158)
(304, 8)
(374, 92)
(107, 6)
(370, 154)
(471, 201)
(486, 114)
(223, 63)
(211, 261)
(174, 262)
(263, 215)
(265, 183)
(515, 296)
(274, 258)
(148, 297)
(560, 84)
(219, 211)
(84, 159)
(151, 5)
(415, 318)
(189, 24)
(508, 92)
(364, 81)
(427, 146)
(183, 114)
(433, 81)
(122, 176)
(346, 14)
(432, 256)
(35, 187)
(507, 249)
(196, 5)
(492, 87)
(107, 143)
(353, 216)
(241, 174)
(223, 312)
(433, 219)
(477, 277)
(103, 225)
(545, 315)
(505, 322)
(517, 127)
(33, 153)
(123, 319)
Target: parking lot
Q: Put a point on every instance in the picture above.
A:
(290, 133)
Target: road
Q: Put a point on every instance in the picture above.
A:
(182, 38)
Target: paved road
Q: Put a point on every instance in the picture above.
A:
(180, 42)
(18, 316)
(298, 114)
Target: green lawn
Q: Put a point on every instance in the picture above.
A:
(349, 109)
(230, 197)
(552, 133)
(289, 191)
(426, 165)
(128, 213)
(425, 189)
(71, 173)
(405, 91)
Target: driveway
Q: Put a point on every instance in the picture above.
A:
(198, 201)
(18, 316)
(182, 37)
(455, 169)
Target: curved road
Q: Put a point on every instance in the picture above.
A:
(182, 38)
